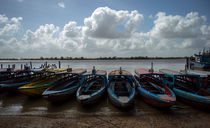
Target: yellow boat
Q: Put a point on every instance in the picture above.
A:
(48, 77)
(37, 87)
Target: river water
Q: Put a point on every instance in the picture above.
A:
(108, 65)
(18, 104)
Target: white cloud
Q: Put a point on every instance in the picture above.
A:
(178, 26)
(111, 24)
(191, 30)
(61, 4)
(3, 19)
(71, 30)
(10, 27)
(107, 32)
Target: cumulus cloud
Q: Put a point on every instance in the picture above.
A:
(10, 27)
(191, 30)
(107, 23)
(3, 19)
(178, 26)
(71, 30)
(42, 36)
(61, 4)
(108, 32)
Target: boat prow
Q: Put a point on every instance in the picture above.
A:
(92, 88)
(121, 88)
(65, 87)
(152, 89)
(187, 88)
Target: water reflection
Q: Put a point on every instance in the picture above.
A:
(13, 104)
(31, 104)
(63, 106)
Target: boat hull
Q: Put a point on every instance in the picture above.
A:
(61, 96)
(34, 91)
(120, 104)
(193, 99)
(154, 101)
(12, 86)
(92, 99)
(201, 66)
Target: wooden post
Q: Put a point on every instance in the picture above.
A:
(21, 66)
(1, 66)
(30, 64)
(46, 64)
(13, 66)
(59, 64)
(68, 66)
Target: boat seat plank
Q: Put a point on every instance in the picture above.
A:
(124, 98)
(78, 71)
(117, 72)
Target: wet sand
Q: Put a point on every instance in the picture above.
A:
(17, 110)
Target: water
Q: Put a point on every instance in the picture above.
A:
(18, 104)
(108, 65)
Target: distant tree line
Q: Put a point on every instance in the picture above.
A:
(99, 58)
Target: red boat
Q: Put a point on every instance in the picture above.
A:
(152, 89)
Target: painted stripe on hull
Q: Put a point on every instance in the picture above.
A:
(92, 99)
(61, 96)
(155, 100)
(119, 104)
(193, 99)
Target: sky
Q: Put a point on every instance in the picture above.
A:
(103, 28)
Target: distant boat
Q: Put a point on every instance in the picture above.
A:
(200, 61)
(121, 88)
(93, 87)
(65, 87)
(152, 89)
(200, 65)
(187, 88)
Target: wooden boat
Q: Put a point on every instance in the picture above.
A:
(37, 87)
(13, 84)
(204, 77)
(18, 78)
(152, 89)
(121, 88)
(64, 88)
(5, 74)
(93, 87)
(187, 88)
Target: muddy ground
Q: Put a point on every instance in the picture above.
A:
(23, 112)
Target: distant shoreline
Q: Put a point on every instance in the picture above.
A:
(100, 58)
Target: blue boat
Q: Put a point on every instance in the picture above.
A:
(187, 88)
(66, 87)
(93, 87)
(16, 79)
(200, 65)
(200, 61)
(151, 88)
(121, 88)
